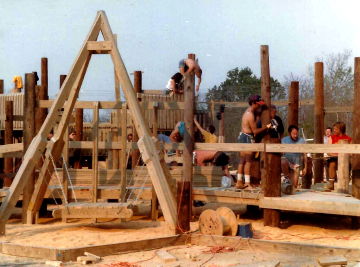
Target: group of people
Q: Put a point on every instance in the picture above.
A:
(176, 82)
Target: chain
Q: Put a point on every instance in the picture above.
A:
(57, 175)
(68, 175)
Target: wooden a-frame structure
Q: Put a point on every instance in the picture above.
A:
(152, 155)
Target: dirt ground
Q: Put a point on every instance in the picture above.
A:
(303, 228)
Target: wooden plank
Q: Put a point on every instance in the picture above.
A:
(95, 165)
(260, 264)
(4, 149)
(230, 147)
(3, 117)
(102, 145)
(165, 256)
(93, 212)
(313, 148)
(21, 250)
(97, 45)
(123, 157)
(335, 260)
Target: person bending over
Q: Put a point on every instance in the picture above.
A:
(175, 84)
(190, 65)
(177, 135)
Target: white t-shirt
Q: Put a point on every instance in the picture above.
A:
(169, 85)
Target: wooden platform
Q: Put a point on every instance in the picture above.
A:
(315, 202)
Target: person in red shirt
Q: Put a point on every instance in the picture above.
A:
(339, 134)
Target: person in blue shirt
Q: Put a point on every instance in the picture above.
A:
(291, 162)
(177, 135)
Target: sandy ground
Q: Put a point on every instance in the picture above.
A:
(305, 228)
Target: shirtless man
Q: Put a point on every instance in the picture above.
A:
(190, 65)
(248, 131)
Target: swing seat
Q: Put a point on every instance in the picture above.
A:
(81, 210)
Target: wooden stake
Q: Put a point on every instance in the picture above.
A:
(29, 134)
(9, 126)
(137, 89)
(266, 96)
(293, 111)
(79, 128)
(319, 120)
(272, 184)
(44, 77)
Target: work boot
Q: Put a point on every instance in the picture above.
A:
(240, 184)
(331, 185)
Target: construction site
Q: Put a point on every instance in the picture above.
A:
(110, 192)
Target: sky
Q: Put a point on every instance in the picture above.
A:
(154, 35)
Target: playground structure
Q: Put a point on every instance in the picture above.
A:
(161, 177)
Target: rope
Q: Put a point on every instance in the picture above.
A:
(47, 167)
(68, 175)
(137, 178)
(57, 175)
(139, 193)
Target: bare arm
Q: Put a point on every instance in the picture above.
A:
(253, 127)
(173, 85)
(198, 125)
(330, 143)
(198, 85)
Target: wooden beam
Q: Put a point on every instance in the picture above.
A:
(4, 149)
(293, 109)
(159, 173)
(123, 154)
(95, 165)
(3, 117)
(97, 45)
(313, 148)
(9, 127)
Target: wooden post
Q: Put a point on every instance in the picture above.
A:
(95, 165)
(79, 128)
(222, 125)
(355, 164)
(40, 113)
(272, 184)
(44, 77)
(265, 95)
(9, 126)
(293, 111)
(123, 153)
(114, 135)
(29, 134)
(1, 87)
(343, 171)
(184, 191)
(319, 120)
(154, 199)
(137, 89)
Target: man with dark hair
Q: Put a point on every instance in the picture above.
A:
(339, 134)
(292, 162)
(190, 65)
(248, 131)
(278, 130)
(208, 134)
(175, 84)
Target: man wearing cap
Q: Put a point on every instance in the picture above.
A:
(248, 131)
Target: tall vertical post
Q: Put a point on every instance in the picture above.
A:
(222, 125)
(29, 134)
(184, 187)
(355, 164)
(1, 87)
(154, 199)
(293, 111)
(319, 120)
(271, 173)
(79, 128)
(343, 170)
(9, 126)
(40, 113)
(44, 77)
(137, 89)
(123, 153)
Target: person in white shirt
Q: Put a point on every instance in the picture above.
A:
(175, 84)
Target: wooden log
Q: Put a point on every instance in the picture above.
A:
(184, 204)
(40, 113)
(29, 134)
(272, 184)
(355, 164)
(319, 120)
(44, 76)
(293, 111)
(117, 153)
(266, 96)
(137, 89)
(222, 126)
(8, 140)
(1, 87)
(79, 128)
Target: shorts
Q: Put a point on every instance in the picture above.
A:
(183, 65)
(166, 91)
(221, 159)
(244, 138)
